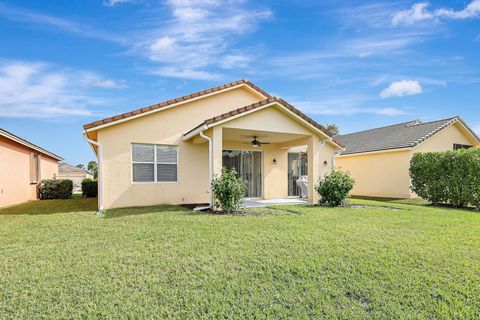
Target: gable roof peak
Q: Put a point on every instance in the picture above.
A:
(414, 123)
(403, 135)
(183, 99)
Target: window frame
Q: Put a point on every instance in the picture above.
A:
(35, 168)
(155, 163)
(460, 146)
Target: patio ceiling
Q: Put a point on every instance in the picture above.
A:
(245, 136)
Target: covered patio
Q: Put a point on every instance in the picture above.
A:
(263, 142)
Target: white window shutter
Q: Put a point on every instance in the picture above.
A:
(143, 153)
(143, 172)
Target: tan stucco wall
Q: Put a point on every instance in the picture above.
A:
(445, 139)
(15, 184)
(387, 174)
(378, 175)
(164, 127)
(167, 127)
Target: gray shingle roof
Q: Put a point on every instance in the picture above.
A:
(65, 167)
(402, 135)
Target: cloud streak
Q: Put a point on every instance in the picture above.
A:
(198, 38)
(111, 3)
(346, 106)
(37, 90)
(28, 16)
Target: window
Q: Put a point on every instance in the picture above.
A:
(154, 163)
(457, 146)
(34, 168)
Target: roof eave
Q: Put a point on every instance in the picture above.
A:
(271, 102)
(399, 149)
(194, 96)
(28, 144)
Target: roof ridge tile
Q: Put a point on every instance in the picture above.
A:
(187, 97)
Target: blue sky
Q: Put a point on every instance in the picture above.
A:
(353, 63)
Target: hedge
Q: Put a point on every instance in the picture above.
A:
(450, 177)
(56, 189)
(89, 188)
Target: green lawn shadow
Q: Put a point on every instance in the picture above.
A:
(41, 207)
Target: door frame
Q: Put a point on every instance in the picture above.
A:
(262, 171)
(288, 168)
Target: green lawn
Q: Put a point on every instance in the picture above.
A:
(286, 262)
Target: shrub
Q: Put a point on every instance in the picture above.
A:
(89, 188)
(228, 190)
(56, 189)
(450, 177)
(334, 187)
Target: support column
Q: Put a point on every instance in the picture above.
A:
(313, 153)
(217, 149)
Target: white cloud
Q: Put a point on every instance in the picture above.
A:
(419, 12)
(402, 88)
(37, 90)
(472, 10)
(196, 43)
(112, 3)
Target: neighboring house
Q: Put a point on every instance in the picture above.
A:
(76, 174)
(379, 159)
(23, 166)
(166, 153)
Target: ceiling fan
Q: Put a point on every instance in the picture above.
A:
(257, 143)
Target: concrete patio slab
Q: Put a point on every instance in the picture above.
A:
(259, 203)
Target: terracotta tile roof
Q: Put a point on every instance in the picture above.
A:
(172, 101)
(259, 104)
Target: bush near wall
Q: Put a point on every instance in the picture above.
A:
(334, 187)
(228, 191)
(450, 177)
(89, 188)
(56, 189)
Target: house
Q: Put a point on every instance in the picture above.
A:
(74, 173)
(168, 153)
(23, 166)
(379, 159)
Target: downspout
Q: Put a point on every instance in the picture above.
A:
(210, 160)
(99, 173)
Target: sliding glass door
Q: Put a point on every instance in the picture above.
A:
(248, 165)
(297, 166)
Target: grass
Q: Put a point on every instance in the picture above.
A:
(286, 262)
(76, 204)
